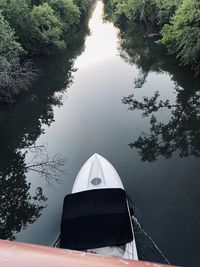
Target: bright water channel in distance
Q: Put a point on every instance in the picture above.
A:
(75, 109)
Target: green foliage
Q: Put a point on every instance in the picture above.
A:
(133, 10)
(156, 12)
(17, 13)
(32, 27)
(112, 12)
(42, 25)
(83, 5)
(47, 29)
(166, 9)
(178, 21)
(14, 76)
(37, 2)
(9, 46)
(182, 35)
(138, 10)
(67, 12)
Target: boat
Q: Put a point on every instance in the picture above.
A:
(96, 216)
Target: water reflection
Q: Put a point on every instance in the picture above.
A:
(48, 167)
(136, 49)
(18, 206)
(181, 133)
(21, 204)
(99, 45)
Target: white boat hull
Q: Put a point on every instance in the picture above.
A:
(98, 173)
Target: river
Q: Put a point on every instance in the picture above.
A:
(91, 99)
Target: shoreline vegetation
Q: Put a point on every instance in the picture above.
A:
(29, 28)
(174, 23)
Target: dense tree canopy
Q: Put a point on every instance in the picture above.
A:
(83, 5)
(17, 13)
(47, 29)
(177, 20)
(9, 45)
(67, 12)
(30, 27)
(136, 10)
(13, 75)
(42, 25)
(166, 9)
(182, 34)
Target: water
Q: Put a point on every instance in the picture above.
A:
(79, 106)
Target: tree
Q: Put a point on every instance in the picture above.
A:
(30, 27)
(67, 12)
(14, 76)
(9, 44)
(17, 13)
(135, 10)
(37, 2)
(83, 5)
(47, 29)
(166, 10)
(182, 35)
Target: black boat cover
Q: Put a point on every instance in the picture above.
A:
(95, 218)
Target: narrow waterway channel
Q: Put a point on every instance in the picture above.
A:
(85, 102)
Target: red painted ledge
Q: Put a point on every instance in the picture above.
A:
(14, 254)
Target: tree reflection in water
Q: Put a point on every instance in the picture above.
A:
(21, 126)
(18, 206)
(181, 134)
(43, 164)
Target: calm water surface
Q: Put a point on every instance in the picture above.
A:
(89, 100)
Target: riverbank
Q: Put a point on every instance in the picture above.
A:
(30, 28)
(176, 22)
